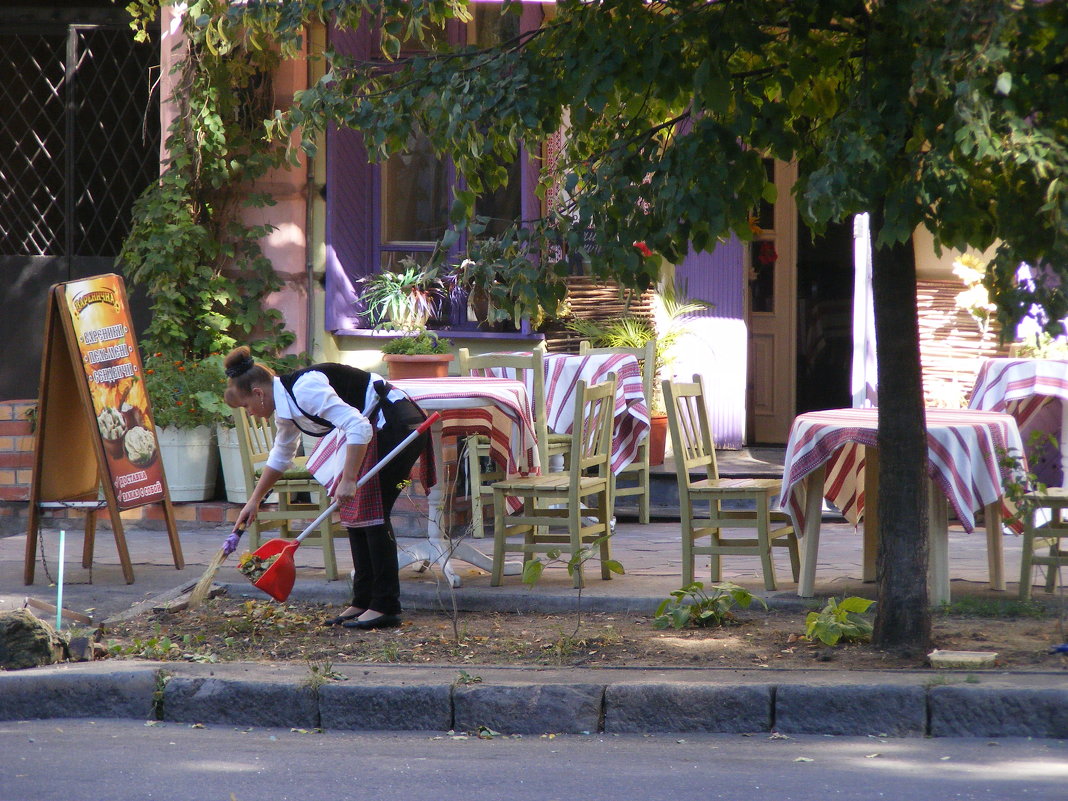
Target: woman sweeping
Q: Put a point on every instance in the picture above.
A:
(375, 417)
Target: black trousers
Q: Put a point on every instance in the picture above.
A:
(375, 583)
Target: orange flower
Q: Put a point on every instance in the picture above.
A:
(643, 249)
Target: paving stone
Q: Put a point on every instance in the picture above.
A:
(361, 707)
(853, 709)
(529, 709)
(682, 707)
(980, 712)
(37, 695)
(240, 703)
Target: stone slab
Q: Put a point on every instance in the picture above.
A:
(70, 694)
(240, 703)
(678, 707)
(362, 707)
(969, 711)
(529, 709)
(852, 710)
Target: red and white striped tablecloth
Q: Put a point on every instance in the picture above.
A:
(964, 447)
(500, 408)
(563, 371)
(1020, 387)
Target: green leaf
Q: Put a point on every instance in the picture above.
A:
(1004, 84)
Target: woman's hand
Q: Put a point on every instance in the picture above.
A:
(247, 514)
(346, 490)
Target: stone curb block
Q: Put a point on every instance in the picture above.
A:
(385, 708)
(854, 709)
(638, 708)
(240, 703)
(125, 694)
(976, 712)
(529, 709)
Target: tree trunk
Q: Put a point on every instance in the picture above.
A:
(903, 615)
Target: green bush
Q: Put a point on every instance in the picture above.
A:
(840, 621)
(692, 606)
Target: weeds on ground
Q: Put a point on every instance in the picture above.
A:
(693, 606)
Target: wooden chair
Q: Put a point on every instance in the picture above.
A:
(579, 499)
(637, 470)
(256, 436)
(1037, 536)
(695, 451)
(481, 471)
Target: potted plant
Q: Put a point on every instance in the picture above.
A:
(418, 354)
(632, 331)
(505, 285)
(186, 398)
(405, 297)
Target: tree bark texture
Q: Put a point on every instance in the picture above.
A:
(903, 616)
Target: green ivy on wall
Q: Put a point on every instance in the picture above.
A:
(188, 248)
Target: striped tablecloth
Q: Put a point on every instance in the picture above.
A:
(563, 371)
(1033, 391)
(500, 408)
(963, 447)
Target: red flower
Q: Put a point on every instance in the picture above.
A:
(643, 249)
(766, 254)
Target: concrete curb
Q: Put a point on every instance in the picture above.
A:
(539, 702)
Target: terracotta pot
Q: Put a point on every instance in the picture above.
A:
(432, 365)
(657, 438)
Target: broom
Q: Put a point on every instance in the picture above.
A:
(200, 592)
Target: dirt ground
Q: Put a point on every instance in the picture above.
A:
(226, 629)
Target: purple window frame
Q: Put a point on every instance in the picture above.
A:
(353, 209)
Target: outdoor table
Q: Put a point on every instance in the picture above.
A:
(563, 371)
(1033, 391)
(833, 454)
(496, 407)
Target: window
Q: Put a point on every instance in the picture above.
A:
(377, 215)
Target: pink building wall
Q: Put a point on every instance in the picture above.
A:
(287, 246)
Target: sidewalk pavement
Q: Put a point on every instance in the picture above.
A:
(510, 700)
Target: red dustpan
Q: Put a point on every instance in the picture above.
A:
(277, 580)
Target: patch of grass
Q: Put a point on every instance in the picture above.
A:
(994, 608)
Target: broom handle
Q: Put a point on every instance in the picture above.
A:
(424, 426)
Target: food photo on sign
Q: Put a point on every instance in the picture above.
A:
(115, 379)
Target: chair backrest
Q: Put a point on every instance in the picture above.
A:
(646, 357)
(691, 435)
(530, 364)
(255, 435)
(591, 446)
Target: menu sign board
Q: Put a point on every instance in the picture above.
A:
(101, 323)
(95, 445)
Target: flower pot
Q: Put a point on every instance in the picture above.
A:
(191, 462)
(431, 365)
(657, 438)
(233, 470)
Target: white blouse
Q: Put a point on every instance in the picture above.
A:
(315, 396)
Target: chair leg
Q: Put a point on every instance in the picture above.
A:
(1054, 566)
(499, 537)
(474, 475)
(574, 525)
(326, 534)
(714, 561)
(795, 557)
(606, 547)
(763, 515)
(687, 545)
(1026, 554)
(643, 496)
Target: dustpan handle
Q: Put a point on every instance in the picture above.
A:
(425, 425)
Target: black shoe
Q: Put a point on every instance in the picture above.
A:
(340, 620)
(380, 622)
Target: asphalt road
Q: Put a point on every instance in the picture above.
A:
(104, 760)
